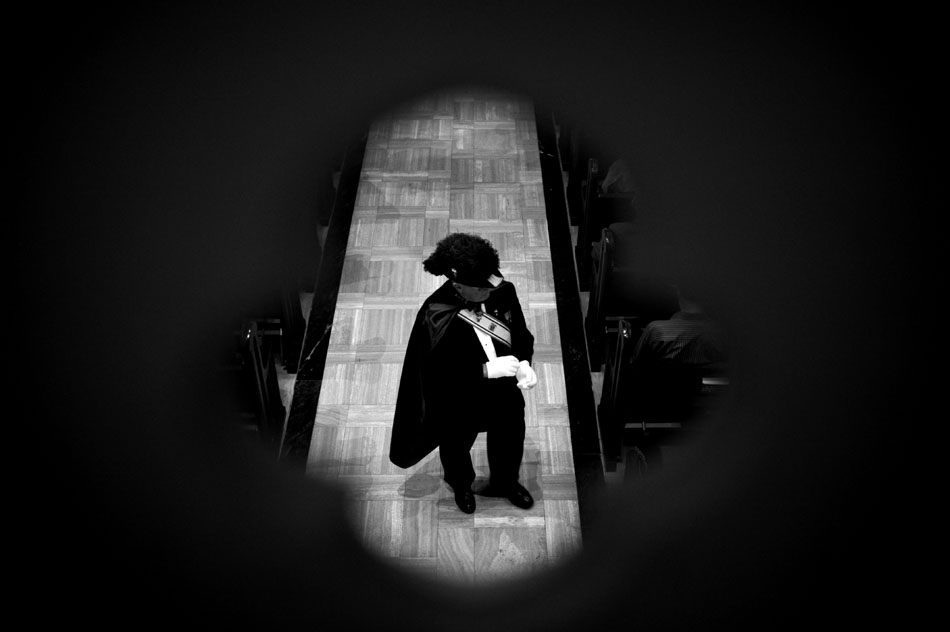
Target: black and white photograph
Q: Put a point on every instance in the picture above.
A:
(471, 316)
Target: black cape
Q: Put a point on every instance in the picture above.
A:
(442, 371)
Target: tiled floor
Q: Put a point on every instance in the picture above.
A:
(460, 161)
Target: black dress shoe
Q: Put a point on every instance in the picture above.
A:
(519, 497)
(465, 499)
(515, 493)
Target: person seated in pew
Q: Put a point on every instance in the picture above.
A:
(689, 338)
(672, 356)
(611, 200)
(619, 179)
(618, 182)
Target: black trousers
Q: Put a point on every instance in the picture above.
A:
(505, 439)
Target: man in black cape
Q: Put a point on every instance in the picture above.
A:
(467, 361)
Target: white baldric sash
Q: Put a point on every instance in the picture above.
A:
(487, 324)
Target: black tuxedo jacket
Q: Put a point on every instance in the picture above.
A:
(442, 388)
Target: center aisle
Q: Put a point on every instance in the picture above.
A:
(459, 161)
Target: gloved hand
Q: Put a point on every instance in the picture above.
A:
(527, 378)
(505, 366)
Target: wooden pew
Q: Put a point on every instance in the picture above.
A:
(598, 210)
(620, 290)
(650, 405)
(644, 411)
(254, 378)
(622, 338)
(575, 160)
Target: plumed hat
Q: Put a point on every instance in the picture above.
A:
(464, 258)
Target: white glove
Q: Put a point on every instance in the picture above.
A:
(527, 378)
(505, 366)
